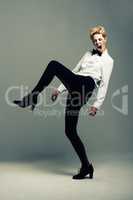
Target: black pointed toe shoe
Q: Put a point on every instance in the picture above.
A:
(29, 100)
(84, 171)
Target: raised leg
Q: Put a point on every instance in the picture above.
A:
(55, 68)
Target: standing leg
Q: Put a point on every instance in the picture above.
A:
(71, 120)
(55, 68)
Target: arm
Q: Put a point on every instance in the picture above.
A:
(102, 90)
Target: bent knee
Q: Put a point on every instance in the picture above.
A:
(70, 132)
(53, 62)
(67, 132)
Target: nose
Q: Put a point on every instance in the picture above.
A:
(97, 43)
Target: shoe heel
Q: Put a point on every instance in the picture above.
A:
(91, 175)
(32, 107)
(34, 102)
(91, 171)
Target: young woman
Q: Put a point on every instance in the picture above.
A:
(93, 70)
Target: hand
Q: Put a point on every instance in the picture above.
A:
(55, 94)
(92, 111)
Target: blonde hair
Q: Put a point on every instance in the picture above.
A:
(97, 30)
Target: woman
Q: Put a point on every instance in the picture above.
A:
(93, 70)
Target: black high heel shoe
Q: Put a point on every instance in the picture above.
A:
(29, 100)
(84, 171)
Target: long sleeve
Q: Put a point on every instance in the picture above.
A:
(62, 88)
(102, 90)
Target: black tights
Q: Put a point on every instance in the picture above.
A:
(79, 90)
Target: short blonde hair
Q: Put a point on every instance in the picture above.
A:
(97, 30)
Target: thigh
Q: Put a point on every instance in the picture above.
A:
(72, 111)
(66, 76)
(86, 88)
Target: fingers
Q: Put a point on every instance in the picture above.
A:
(92, 111)
(55, 94)
(53, 97)
(92, 114)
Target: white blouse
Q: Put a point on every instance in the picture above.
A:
(99, 68)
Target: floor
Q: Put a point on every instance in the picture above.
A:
(50, 179)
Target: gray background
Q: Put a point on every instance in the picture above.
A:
(35, 32)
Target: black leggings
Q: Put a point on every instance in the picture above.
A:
(79, 88)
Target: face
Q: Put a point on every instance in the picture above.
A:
(99, 42)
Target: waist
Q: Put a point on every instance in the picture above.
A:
(96, 81)
(94, 76)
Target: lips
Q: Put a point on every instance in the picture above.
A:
(99, 46)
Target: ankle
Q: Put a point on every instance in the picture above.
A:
(35, 93)
(85, 165)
